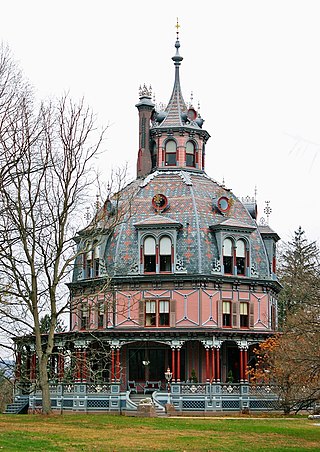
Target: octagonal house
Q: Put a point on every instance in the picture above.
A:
(174, 286)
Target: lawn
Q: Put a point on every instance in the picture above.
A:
(120, 433)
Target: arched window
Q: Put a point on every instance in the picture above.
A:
(171, 153)
(190, 154)
(149, 254)
(228, 256)
(241, 257)
(154, 154)
(165, 254)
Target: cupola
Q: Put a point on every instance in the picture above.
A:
(172, 138)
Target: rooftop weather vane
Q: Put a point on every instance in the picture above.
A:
(177, 27)
(267, 210)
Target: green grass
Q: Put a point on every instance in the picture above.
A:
(127, 434)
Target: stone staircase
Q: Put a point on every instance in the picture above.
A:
(19, 406)
(136, 398)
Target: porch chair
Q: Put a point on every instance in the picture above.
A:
(132, 387)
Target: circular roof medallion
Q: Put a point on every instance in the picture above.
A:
(192, 114)
(159, 202)
(223, 204)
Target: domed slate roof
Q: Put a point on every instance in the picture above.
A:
(192, 210)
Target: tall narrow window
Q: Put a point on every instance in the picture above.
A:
(101, 314)
(227, 256)
(244, 315)
(84, 316)
(226, 313)
(149, 255)
(154, 154)
(190, 154)
(96, 263)
(241, 257)
(171, 153)
(163, 313)
(151, 317)
(165, 254)
(88, 265)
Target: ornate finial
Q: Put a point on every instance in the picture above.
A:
(255, 193)
(267, 210)
(98, 205)
(87, 215)
(177, 27)
(191, 99)
(144, 91)
(198, 108)
(223, 182)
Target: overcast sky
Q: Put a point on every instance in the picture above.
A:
(253, 66)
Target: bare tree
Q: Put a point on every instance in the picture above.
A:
(47, 153)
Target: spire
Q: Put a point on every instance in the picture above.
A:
(176, 105)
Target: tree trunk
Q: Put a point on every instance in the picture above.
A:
(286, 407)
(44, 385)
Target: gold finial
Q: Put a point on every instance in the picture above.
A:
(177, 27)
(191, 99)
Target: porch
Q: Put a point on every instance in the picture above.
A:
(185, 398)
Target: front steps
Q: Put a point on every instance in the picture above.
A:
(136, 399)
(19, 406)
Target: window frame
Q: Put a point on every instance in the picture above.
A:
(241, 260)
(101, 314)
(170, 152)
(193, 154)
(158, 318)
(153, 262)
(228, 260)
(164, 257)
(244, 318)
(84, 319)
(158, 259)
(226, 315)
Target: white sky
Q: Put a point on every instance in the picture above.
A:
(252, 64)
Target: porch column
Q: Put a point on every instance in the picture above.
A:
(78, 364)
(84, 369)
(241, 365)
(18, 366)
(243, 350)
(218, 376)
(118, 364)
(33, 366)
(245, 363)
(173, 355)
(178, 365)
(213, 359)
(112, 365)
(207, 364)
(60, 364)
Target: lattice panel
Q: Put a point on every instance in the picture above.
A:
(103, 403)
(231, 404)
(264, 404)
(193, 404)
(68, 403)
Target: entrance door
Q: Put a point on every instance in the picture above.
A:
(148, 364)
